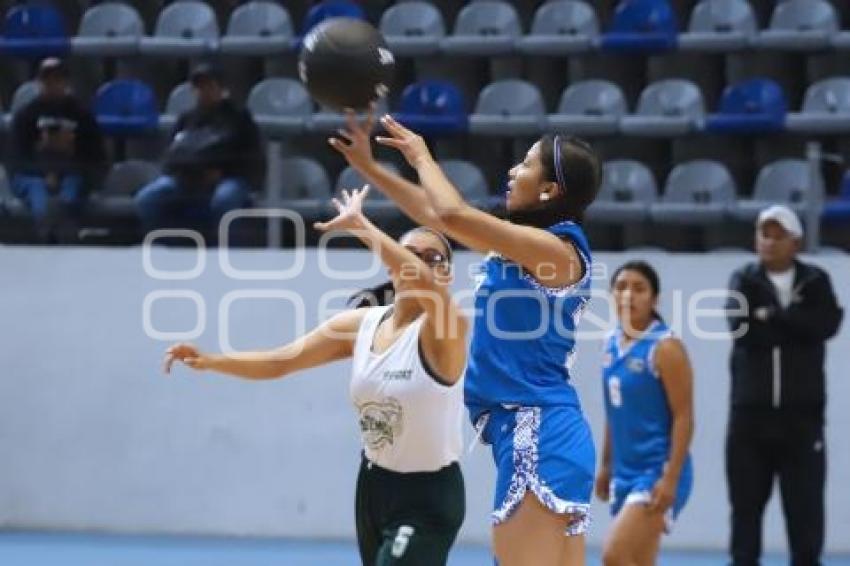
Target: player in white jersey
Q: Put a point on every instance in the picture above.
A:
(408, 359)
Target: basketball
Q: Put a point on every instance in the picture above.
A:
(345, 63)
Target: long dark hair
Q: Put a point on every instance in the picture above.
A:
(577, 171)
(384, 294)
(648, 272)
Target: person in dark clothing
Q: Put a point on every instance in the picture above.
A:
(57, 152)
(776, 426)
(214, 160)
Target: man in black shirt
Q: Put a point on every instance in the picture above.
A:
(57, 151)
(214, 160)
(779, 391)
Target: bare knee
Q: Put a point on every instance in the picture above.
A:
(616, 554)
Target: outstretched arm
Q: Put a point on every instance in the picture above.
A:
(553, 262)
(333, 340)
(444, 331)
(357, 150)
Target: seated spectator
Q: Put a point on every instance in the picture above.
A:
(57, 154)
(214, 158)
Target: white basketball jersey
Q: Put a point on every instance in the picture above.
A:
(408, 421)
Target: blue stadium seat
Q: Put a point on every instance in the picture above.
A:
(787, 181)
(258, 28)
(489, 27)
(413, 28)
(720, 25)
(800, 25)
(750, 107)
(126, 107)
(280, 106)
(837, 210)
(826, 108)
(111, 29)
(331, 9)
(642, 25)
(698, 192)
(627, 191)
(671, 107)
(508, 108)
(433, 108)
(34, 31)
(561, 27)
(589, 108)
(183, 29)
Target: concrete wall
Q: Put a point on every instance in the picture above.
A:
(93, 436)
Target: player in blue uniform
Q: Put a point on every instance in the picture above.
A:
(534, 286)
(646, 470)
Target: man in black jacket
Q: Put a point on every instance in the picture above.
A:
(214, 160)
(776, 424)
(57, 151)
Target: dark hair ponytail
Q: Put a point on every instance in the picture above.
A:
(648, 272)
(378, 296)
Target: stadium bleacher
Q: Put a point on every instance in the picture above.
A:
(701, 110)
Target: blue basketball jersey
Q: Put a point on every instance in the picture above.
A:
(639, 416)
(523, 336)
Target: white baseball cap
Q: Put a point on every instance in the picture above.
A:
(783, 216)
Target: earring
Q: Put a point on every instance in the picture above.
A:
(544, 196)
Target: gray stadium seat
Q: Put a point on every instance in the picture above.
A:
(484, 28)
(561, 27)
(800, 25)
(328, 121)
(181, 99)
(698, 192)
(720, 25)
(468, 179)
(786, 181)
(589, 108)
(280, 106)
(826, 108)
(306, 188)
(508, 108)
(10, 204)
(377, 203)
(628, 188)
(671, 107)
(413, 28)
(183, 29)
(24, 94)
(258, 28)
(121, 183)
(111, 29)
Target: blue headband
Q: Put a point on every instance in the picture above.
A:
(559, 174)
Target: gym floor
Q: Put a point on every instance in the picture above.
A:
(67, 549)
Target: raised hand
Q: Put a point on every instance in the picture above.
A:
(409, 143)
(356, 146)
(349, 212)
(186, 353)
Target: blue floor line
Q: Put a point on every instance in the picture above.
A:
(82, 549)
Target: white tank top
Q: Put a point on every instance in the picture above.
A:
(408, 421)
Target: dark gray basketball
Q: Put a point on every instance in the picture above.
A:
(345, 63)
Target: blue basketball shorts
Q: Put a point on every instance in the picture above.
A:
(545, 450)
(637, 489)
